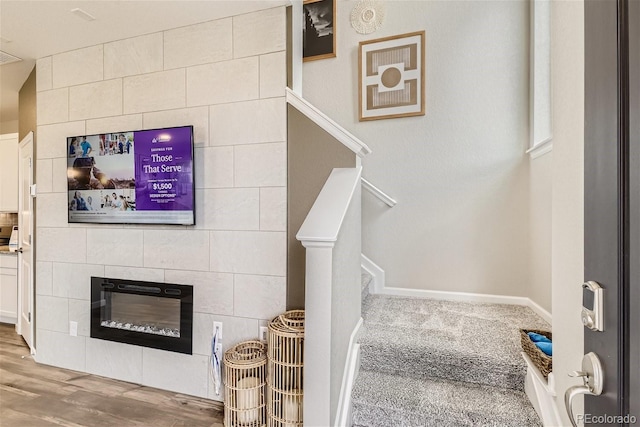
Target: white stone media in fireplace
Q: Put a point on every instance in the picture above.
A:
(149, 314)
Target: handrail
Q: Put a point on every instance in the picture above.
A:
(332, 128)
(324, 220)
(378, 193)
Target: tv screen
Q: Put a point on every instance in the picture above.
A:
(134, 177)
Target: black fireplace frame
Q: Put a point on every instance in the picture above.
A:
(184, 293)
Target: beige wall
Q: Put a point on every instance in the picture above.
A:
(227, 79)
(312, 155)
(27, 107)
(567, 217)
(459, 174)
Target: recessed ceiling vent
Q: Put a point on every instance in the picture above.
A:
(6, 58)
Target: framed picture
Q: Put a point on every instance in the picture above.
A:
(318, 33)
(391, 77)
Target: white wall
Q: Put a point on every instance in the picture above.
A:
(540, 184)
(218, 76)
(459, 173)
(567, 23)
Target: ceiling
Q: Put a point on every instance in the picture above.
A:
(35, 29)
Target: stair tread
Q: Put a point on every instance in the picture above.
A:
(381, 400)
(436, 327)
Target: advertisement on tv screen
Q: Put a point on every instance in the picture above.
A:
(132, 177)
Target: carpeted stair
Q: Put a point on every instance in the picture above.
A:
(440, 363)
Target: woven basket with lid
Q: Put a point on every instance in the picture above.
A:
(285, 358)
(245, 367)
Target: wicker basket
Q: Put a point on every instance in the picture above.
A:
(539, 359)
(284, 380)
(244, 385)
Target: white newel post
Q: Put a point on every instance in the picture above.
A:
(317, 346)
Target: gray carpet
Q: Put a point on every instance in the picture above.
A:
(430, 362)
(366, 280)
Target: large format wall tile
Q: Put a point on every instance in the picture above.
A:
(273, 209)
(80, 312)
(227, 79)
(262, 165)
(223, 82)
(156, 91)
(78, 67)
(73, 280)
(60, 349)
(114, 246)
(229, 209)
(52, 139)
(134, 273)
(249, 252)
(44, 273)
(213, 292)
(101, 99)
(44, 74)
(59, 179)
(176, 249)
(44, 176)
(273, 74)
(198, 117)
(115, 124)
(53, 106)
(259, 32)
(268, 118)
(114, 360)
(213, 167)
(56, 315)
(61, 244)
(174, 371)
(259, 296)
(138, 55)
(198, 44)
(52, 210)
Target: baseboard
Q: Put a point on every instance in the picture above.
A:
(8, 318)
(541, 394)
(539, 310)
(469, 297)
(377, 284)
(343, 414)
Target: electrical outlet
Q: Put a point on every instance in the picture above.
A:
(263, 333)
(218, 326)
(73, 329)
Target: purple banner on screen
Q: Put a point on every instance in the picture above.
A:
(163, 169)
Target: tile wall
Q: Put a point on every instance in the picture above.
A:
(225, 77)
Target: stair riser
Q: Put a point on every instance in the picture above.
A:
(424, 366)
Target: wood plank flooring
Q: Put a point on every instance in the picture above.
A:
(33, 395)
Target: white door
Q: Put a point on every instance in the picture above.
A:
(25, 240)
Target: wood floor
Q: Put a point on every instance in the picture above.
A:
(33, 395)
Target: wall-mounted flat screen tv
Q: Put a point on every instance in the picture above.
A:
(133, 177)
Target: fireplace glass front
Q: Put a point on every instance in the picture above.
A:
(157, 315)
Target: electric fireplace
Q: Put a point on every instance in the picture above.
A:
(149, 314)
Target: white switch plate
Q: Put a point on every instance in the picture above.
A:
(263, 333)
(73, 328)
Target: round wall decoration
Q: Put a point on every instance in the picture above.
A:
(367, 16)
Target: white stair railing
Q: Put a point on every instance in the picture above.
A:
(388, 200)
(331, 234)
(331, 127)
